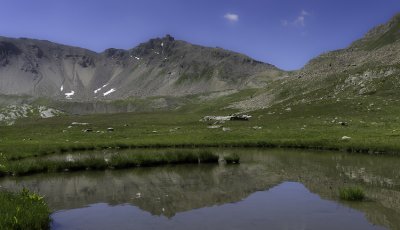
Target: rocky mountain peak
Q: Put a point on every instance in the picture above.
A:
(112, 52)
(155, 44)
(168, 38)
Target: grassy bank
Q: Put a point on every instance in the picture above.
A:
(24, 211)
(116, 161)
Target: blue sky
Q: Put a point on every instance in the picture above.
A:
(286, 33)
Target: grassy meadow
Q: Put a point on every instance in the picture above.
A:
(372, 125)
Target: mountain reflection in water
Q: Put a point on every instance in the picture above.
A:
(287, 206)
(281, 189)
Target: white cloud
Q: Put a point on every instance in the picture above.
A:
(300, 21)
(231, 17)
(304, 13)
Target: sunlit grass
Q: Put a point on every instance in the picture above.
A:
(24, 211)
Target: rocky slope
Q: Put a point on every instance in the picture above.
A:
(379, 47)
(368, 67)
(159, 67)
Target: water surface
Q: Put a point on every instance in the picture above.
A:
(270, 189)
(287, 206)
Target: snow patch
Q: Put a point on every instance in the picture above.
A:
(109, 91)
(162, 44)
(138, 58)
(62, 88)
(97, 90)
(69, 95)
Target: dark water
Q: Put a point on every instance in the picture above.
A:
(270, 189)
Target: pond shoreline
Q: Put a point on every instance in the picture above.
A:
(91, 165)
(258, 144)
(29, 166)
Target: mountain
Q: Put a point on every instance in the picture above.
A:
(369, 67)
(159, 67)
(379, 47)
(165, 74)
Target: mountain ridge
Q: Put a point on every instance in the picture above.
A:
(159, 67)
(164, 73)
